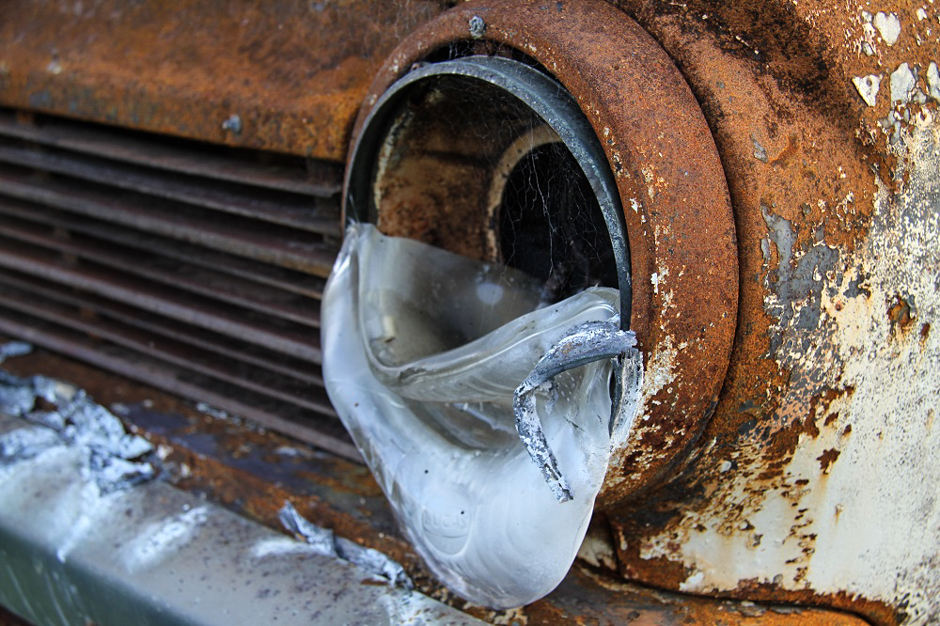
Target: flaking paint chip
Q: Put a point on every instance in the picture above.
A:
(889, 27)
(902, 84)
(867, 87)
(933, 81)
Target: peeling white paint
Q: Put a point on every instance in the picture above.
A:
(867, 87)
(902, 84)
(653, 181)
(667, 302)
(889, 27)
(856, 509)
(661, 372)
(933, 81)
(692, 583)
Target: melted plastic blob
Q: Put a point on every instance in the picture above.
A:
(423, 350)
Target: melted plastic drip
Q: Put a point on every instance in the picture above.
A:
(423, 353)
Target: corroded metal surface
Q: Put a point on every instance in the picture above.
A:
(816, 478)
(253, 472)
(285, 76)
(824, 117)
(835, 207)
(678, 217)
(164, 259)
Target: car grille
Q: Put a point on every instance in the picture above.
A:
(192, 267)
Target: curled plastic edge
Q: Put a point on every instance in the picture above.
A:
(587, 343)
(461, 483)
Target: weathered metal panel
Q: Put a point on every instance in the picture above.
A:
(825, 416)
(286, 76)
(824, 117)
(816, 478)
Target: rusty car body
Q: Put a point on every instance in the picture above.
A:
(171, 180)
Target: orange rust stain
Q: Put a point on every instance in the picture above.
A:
(812, 170)
(810, 426)
(341, 481)
(644, 606)
(800, 134)
(877, 612)
(899, 314)
(294, 72)
(820, 404)
(788, 153)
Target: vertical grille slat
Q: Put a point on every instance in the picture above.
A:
(193, 267)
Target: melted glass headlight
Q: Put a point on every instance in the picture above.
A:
(425, 354)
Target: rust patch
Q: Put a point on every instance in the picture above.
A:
(643, 606)
(900, 314)
(827, 458)
(877, 612)
(286, 76)
(811, 428)
(663, 572)
(819, 405)
(808, 157)
(798, 146)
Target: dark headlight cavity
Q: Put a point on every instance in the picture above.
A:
(492, 159)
